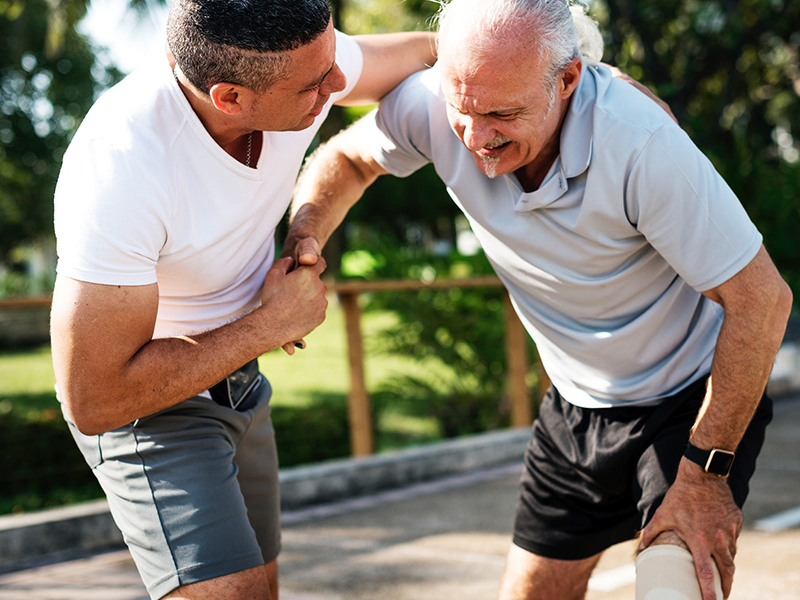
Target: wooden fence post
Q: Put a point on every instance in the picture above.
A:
(516, 339)
(359, 413)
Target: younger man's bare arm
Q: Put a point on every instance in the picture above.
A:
(388, 59)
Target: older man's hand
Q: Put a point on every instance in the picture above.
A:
(700, 511)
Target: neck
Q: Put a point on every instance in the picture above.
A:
(223, 129)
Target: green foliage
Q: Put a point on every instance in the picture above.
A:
(455, 334)
(46, 469)
(307, 434)
(49, 77)
(730, 71)
(380, 16)
(408, 211)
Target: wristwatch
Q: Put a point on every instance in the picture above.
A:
(714, 462)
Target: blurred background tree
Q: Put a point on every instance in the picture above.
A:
(730, 72)
(728, 68)
(49, 77)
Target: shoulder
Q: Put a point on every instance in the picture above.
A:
(627, 127)
(620, 104)
(416, 97)
(134, 110)
(134, 123)
(350, 59)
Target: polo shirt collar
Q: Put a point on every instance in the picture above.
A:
(575, 152)
(577, 131)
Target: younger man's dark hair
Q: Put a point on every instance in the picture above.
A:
(241, 41)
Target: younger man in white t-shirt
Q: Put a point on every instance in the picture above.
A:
(168, 289)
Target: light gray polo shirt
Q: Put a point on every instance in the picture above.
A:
(605, 261)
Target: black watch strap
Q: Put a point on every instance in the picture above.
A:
(714, 462)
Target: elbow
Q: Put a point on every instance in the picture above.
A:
(781, 306)
(83, 413)
(785, 302)
(89, 427)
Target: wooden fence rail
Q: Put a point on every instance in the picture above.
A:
(359, 405)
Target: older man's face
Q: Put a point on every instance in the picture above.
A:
(498, 105)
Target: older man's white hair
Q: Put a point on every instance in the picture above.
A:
(560, 30)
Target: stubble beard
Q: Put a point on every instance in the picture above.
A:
(491, 163)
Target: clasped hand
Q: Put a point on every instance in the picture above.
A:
(297, 294)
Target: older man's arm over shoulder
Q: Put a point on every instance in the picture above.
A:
(388, 59)
(699, 507)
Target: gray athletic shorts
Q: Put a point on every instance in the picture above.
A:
(194, 489)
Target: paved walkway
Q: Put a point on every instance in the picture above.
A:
(448, 539)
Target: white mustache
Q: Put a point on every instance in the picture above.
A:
(498, 141)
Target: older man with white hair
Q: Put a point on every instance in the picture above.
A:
(655, 308)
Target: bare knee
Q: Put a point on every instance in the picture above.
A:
(271, 570)
(671, 538)
(258, 583)
(532, 577)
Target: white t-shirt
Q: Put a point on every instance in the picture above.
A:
(146, 196)
(605, 261)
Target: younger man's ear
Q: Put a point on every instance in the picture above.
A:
(226, 97)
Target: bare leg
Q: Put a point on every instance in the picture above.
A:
(532, 577)
(669, 537)
(258, 583)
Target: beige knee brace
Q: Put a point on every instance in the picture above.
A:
(666, 572)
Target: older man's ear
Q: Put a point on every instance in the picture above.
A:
(570, 77)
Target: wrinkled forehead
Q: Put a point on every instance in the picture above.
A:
(489, 77)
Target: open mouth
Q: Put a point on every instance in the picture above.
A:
(493, 150)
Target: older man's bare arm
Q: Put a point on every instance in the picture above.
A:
(333, 180)
(698, 510)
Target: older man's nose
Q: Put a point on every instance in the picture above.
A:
(476, 134)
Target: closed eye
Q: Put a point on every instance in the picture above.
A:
(504, 116)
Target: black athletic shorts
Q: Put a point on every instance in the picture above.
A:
(595, 477)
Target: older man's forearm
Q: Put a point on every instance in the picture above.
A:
(757, 303)
(333, 180)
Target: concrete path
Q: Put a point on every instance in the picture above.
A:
(448, 539)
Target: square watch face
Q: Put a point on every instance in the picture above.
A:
(719, 462)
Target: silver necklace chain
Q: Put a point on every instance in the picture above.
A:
(249, 135)
(249, 148)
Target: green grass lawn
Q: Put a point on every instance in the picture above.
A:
(309, 409)
(318, 373)
(26, 384)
